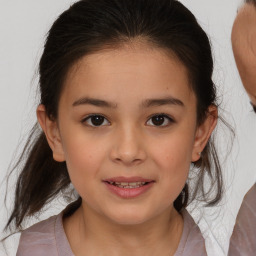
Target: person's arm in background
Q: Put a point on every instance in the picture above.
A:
(243, 239)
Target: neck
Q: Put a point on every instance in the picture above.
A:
(90, 233)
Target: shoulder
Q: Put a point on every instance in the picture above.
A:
(39, 239)
(247, 211)
(192, 241)
(244, 233)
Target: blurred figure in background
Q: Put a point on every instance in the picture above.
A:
(243, 240)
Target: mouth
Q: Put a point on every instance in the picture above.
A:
(128, 187)
(128, 184)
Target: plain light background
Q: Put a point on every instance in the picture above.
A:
(23, 26)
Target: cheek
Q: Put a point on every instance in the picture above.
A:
(173, 159)
(83, 156)
(174, 176)
(174, 151)
(84, 162)
(175, 165)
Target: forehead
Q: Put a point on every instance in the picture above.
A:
(143, 70)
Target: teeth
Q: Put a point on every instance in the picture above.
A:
(128, 184)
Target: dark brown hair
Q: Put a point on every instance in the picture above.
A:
(89, 26)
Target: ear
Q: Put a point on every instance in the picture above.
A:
(204, 131)
(52, 134)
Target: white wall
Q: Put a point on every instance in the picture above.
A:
(23, 25)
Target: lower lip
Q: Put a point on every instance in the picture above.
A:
(129, 192)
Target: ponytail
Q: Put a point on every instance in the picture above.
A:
(40, 180)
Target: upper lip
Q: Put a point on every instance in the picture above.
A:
(128, 179)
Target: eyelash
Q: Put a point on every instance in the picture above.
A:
(170, 120)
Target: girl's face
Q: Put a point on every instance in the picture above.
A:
(127, 131)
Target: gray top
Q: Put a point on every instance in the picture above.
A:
(243, 240)
(48, 238)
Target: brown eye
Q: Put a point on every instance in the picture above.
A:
(160, 120)
(96, 120)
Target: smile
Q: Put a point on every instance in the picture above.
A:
(128, 187)
(128, 184)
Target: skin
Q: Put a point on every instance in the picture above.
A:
(244, 48)
(127, 144)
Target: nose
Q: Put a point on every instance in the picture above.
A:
(128, 147)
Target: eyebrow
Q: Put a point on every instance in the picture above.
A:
(162, 101)
(94, 102)
(145, 104)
